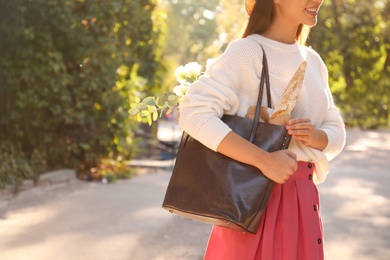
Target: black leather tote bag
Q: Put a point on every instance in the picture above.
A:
(212, 188)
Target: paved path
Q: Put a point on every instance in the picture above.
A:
(124, 221)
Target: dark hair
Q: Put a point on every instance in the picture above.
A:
(261, 14)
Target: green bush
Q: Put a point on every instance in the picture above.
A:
(70, 72)
(15, 166)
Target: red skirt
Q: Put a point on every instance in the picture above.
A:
(290, 228)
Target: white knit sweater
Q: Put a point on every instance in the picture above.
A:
(230, 85)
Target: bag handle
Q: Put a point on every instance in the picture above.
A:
(264, 79)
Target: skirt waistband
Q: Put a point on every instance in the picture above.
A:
(305, 171)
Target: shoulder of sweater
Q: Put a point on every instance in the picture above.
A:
(244, 45)
(310, 52)
(242, 54)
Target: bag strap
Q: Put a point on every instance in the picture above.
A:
(264, 79)
(268, 85)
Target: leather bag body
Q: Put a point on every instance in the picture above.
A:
(210, 187)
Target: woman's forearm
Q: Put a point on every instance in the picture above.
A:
(278, 166)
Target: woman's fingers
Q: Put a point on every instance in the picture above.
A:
(302, 129)
(281, 165)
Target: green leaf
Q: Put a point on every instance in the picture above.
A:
(161, 101)
(172, 103)
(149, 119)
(133, 111)
(169, 111)
(142, 107)
(152, 109)
(85, 146)
(144, 113)
(149, 101)
(172, 98)
(155, 116)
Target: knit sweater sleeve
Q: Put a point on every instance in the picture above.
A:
(217, 92)
(333, 126)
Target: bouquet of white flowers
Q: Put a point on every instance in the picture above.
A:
(151, 108)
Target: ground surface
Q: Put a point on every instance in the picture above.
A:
(93, 221)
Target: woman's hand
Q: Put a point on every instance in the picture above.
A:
(279, 166)
(303, 130)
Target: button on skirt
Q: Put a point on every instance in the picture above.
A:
(290, 228)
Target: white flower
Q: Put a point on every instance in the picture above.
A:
(188, 73)
(181, 90)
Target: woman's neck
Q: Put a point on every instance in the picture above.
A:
(281, 32)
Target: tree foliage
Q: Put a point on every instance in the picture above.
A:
(69, 73)
(191, 35)
(353, 37)
(192, 28)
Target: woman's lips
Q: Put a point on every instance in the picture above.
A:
(312, 11)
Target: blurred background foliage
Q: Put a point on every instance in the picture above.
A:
(71, 70)
(353, 38)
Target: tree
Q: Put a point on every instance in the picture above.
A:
(69, 73)
(353, 38)
(190, 36)
(230, 29)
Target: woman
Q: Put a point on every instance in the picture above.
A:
(291, 225)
